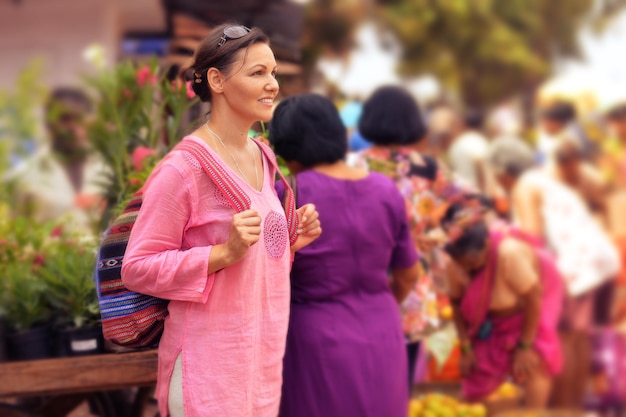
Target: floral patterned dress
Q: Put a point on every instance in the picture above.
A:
(427, 189)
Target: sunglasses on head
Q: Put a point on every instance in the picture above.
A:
(233, 32)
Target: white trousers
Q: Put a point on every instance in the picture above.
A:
(175, 401)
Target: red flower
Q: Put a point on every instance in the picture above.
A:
(145, 75)
(178, 84)
(139, 156)
(56, 232)
(38, 261)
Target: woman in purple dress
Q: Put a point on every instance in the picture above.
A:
(345, 351)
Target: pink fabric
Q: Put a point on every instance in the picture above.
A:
(494, 354)
(231, 325)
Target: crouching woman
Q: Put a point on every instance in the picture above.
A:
(507, 295)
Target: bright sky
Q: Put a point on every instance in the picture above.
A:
(604, 66)
(604, 69)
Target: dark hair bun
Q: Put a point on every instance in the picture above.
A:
(201, 88)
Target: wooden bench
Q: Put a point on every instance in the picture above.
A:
(68, 381)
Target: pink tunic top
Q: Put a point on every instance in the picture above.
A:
(230, 326)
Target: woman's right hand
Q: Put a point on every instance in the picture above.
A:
(245, 230)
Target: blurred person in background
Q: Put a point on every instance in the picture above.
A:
(613, 166)
(506, 294)
(444, 124)
(345, 348)
(65, 179)
(468, 153)
(392, 121)
(556, 120)
(544, 206)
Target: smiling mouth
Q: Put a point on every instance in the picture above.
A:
(267, 100)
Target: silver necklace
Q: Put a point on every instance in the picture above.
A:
(256, 172)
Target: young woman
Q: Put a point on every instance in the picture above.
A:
(226, 275)
(506, 294)
(345, 350)
(392, 121)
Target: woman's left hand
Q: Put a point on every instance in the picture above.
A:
(309, 227)
(524, 363)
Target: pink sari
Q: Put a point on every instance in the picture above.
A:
(494, 348)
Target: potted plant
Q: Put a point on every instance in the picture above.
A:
(22, 293)
(67, 270)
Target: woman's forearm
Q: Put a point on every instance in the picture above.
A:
(403, 280)
(532, 314)
(220, 258)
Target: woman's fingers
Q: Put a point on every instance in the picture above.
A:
(309, 218)
(247, 218)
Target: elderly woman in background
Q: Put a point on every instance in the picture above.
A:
(506, 295)
(546, 207)
(392, 121)
(345, 348)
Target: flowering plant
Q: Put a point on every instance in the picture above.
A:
(136, 108)
(22, 294)
(47, 274)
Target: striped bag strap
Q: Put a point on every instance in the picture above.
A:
(290, 200)
(237, 198)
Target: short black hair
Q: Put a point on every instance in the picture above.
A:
(473, 238)
(73, 96)
(307, 129)
(391, 116)
(474, 119)
(561, 111)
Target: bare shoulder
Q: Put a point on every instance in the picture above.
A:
(531, 180)
(514, 249)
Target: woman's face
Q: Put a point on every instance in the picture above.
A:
(474, 260)
(251, 88)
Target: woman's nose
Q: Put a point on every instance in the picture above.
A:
(272, 85)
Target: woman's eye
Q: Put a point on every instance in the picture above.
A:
(257, 73)
(274, 74)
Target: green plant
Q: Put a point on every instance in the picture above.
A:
(46, 274)
(23, 298)
(67, 270)
(22, 293)
(135, 107)
(19, 133)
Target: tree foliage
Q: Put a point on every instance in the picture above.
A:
(483, 49)
(489, 49)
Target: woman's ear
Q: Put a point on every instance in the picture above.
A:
(216, 80)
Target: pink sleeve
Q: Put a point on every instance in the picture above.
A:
(154, 262)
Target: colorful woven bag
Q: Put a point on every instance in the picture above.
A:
(135, 320)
